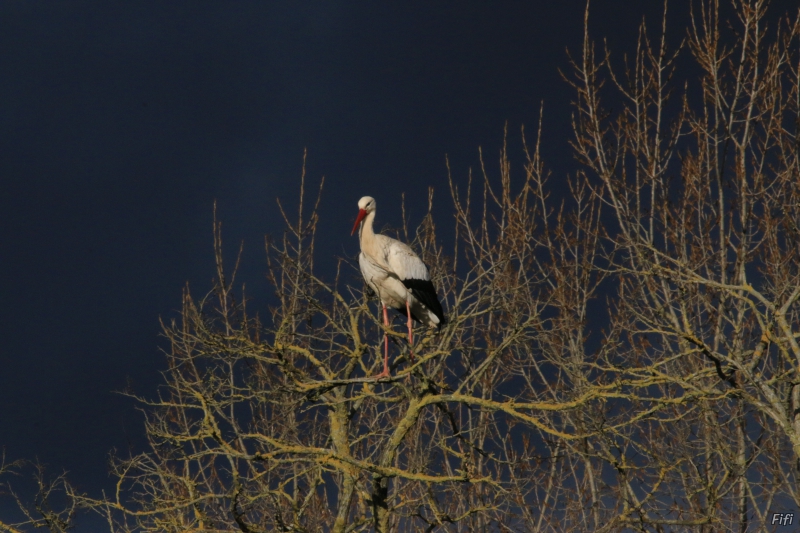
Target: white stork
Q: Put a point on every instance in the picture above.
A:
(397, 275)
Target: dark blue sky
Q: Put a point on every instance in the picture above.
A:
(122, 122)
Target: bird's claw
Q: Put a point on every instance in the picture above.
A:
(383, 375)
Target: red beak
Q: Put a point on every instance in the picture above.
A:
(359, 218)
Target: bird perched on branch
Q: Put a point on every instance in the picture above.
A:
(397, 275)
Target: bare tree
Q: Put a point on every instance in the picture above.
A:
(619, 356)
(54, 505)
(701, 196)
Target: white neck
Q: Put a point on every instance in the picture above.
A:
(366, 233)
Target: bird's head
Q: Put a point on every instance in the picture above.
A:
(365, 206)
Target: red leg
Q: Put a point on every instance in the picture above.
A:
(410, 335)
(385, 373)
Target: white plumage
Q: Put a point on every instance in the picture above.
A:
(396, 274)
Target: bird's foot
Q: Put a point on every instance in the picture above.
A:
(383, 375)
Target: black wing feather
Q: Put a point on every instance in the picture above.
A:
(424, 291)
